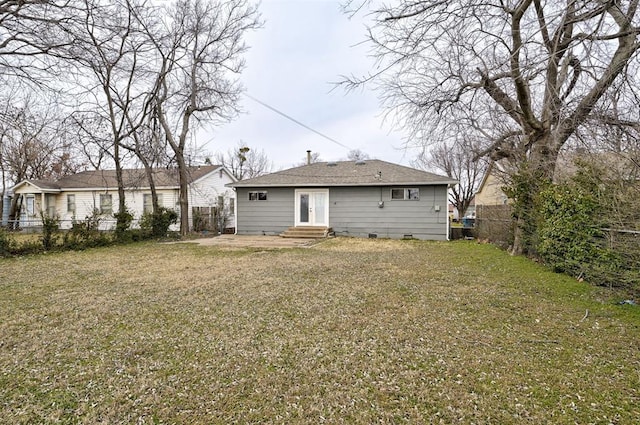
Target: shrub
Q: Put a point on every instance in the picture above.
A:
(7, 244)
(571, 239)
(156, 224)
(86, 234)
(123, 223)
(50, 228)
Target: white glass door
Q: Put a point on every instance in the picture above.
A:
(312, 207)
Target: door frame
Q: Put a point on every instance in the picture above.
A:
(311, 192)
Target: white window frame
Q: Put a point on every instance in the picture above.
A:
(30, 201)
(71, 204)
(408, 194)
(147, 202)
(106, 207)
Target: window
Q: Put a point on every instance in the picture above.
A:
(106, 206)
(232, 206)
(31, 206)
(413, 194)
(71, 204)
(258, 196)
(405, 194)
(147, 202)
(50, 203)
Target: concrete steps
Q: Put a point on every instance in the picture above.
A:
(312, 232)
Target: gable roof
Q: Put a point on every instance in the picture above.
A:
(133, 178)
(372, 172)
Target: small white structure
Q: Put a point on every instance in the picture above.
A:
(75, 197)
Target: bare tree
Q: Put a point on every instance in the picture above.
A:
(244, 162)
(32, 146)
(149, 146)
(357, 155)
(112, 50)
(200, 53)
(35, 34)
(457, 161)
(525, 76)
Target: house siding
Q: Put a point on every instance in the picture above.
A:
(205, 191)
(491, 192)
(6, 206)
(270, 217)
(87, 201)
(353, 211)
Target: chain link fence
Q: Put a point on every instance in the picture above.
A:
(494, 224)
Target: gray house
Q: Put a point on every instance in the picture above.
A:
(369, 198)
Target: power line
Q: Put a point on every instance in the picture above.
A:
(290, 118)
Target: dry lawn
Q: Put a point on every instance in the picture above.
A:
(350, 331)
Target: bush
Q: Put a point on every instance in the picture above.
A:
(570, 239)
(571, 236)
(123, 223)
(156, 224)
(86, 234)
(50, 228)
(7, 245)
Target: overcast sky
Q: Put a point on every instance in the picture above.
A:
(304, 46)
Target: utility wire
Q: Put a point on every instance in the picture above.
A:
(290, 118)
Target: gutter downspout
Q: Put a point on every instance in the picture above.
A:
(449, 186)
(235, 211)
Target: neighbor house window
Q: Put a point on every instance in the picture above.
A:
(405, 193)
(147, 202)
(106, 206)
(258, 196)
(31, 206)
(71, 204)
(232, 206)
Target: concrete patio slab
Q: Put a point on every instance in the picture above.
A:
(250, 241)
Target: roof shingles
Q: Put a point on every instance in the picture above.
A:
(133, 178)
(371, 172)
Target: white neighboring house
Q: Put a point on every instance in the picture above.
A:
(75, 197)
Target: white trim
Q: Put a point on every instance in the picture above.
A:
(296, 211)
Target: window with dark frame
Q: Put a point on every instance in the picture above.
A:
(405, 194)
(258, 196)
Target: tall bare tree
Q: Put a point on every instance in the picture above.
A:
(357, 155)
(35, 34)
(524, 75)
(456, 160)
(200, 55)
(113, 49)
(32, 145)
(244, 162)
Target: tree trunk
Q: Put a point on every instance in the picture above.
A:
(14, 212)
(152, 183)
(122, 221)
(183, 195)
(534, 175)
